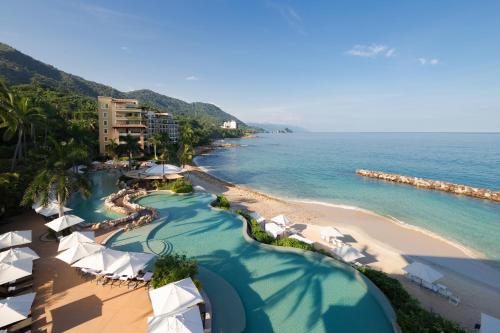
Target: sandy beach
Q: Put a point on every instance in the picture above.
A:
(388, 245)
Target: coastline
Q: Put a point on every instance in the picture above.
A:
(390, 243)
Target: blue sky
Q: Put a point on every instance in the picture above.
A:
(325, 65)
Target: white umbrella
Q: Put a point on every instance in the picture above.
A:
(347, 253)
(186, 321)
(130, 263)
(174, 296)
(75, 238)
(99, 261)
(161, 169)
(51, 209)
(199, 188)
(15, 270)
(258, 218)
(423, 272)
(328, 232)
(79, 251)
(13, 309)
(281, 220)
(64, 222)
(18, 253)
(489, 324)
(274, 230)
(14, 238)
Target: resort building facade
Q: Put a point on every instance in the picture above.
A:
(121, 117)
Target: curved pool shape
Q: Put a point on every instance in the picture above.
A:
(281, 290)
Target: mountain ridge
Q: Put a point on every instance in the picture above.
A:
(19, 68)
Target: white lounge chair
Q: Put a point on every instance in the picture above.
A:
(454, 300)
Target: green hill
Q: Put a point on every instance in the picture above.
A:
(19, 68)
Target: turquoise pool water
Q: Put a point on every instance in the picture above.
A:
(91, 209)
(281, 291)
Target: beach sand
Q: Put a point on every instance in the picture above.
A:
(387, 244)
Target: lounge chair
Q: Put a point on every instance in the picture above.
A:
(21, 326)
(146, 278)
(454, 300)
(16, 289)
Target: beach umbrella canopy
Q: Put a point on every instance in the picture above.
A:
(186, 321)
(199, 188)
(258, 218)
(281, 220)
(130, 263)
(331, 232)
(174, 297)
(18, 253)
(100, 260)
(79, 251)
(274, 230)
(10, 271)
(347, 253)
(14, 238)
(423, 272)
(161, 169)
(51, 209)
(64, 222)
(75, 238)
(489, 324)
(14, 309)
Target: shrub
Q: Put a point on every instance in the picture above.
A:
(178, 186)
(171, 268)
(411, 316)
(291, 242)
(221, 202)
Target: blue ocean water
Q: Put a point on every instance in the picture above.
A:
(321, 167)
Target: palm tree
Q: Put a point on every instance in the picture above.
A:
(17, 116)
(155, 139)
(186, 151)
(112, 149)
(164, 156)
(131, 146)
(57, 178)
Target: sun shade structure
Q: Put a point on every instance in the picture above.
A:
(174, 297)
(15, 270)
(64, 222)
(99, 261)
(329, 232)
(51, 209)
(161, 169)
(274, 230)
(199, 188)
(14, 238)
(14, 309)
(489, 324)
(75, 238)
(258, 218)
(186, 321)
(347, 253)
(130, 263)
(423, 272)
(79, 251)
(18, 253)
(281, 220)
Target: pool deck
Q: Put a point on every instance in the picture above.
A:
(65, 302)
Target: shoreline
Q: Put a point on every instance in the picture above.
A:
(389, 245)
(472, 253)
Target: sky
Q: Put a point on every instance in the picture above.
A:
(323, 65)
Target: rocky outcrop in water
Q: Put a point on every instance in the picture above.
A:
(433, 184)
(137, 215)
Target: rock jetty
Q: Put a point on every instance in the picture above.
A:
(119, 202)
(437, 185)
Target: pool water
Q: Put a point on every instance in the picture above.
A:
(281, 291)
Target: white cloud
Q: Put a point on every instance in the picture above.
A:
(124, 48)
(431, 61)
(371, 51)
(291, 16)
(192, 78)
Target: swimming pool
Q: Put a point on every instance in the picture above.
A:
(281, 290)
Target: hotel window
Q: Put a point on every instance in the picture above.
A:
(105, 131)
(105, 123)
(105, 114)
(106, 138)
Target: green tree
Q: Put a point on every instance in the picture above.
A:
(18, 115)
(57, 178)
(112, 149)
(155, 139)
(163, 158)
(131, 147)
(186, 151)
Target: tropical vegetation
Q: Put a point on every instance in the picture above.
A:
(180, 185)
(221, 202)
(173, 267)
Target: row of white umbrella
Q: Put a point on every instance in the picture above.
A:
(175, 308)
(15, 263)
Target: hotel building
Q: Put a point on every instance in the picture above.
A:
(121, 117)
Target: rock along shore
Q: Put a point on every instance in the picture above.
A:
(437, 185)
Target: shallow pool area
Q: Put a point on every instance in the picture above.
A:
(282, 290)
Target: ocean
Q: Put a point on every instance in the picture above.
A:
(321, 167)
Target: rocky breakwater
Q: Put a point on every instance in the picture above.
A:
(437, 185)
(136, 215)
